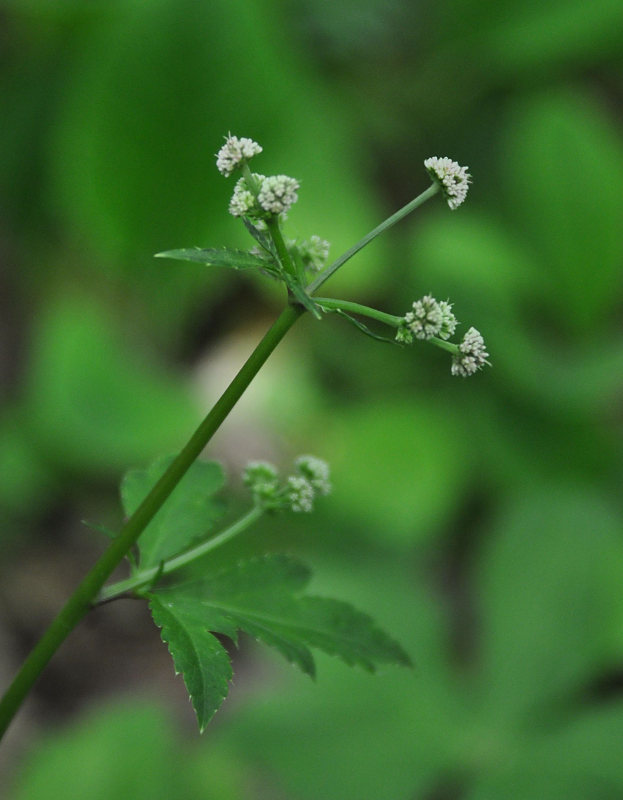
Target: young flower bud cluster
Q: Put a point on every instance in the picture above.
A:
(472, 354)
(297, 493)
(428, 318)
(313, 252)
(234, 152)
(453, 179)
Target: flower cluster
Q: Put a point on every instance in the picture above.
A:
(432, 319)
(297, 493)
(312, 252)
(471, 356)
(234, 152)
(453, 179)
(428, 318)
(255, 196)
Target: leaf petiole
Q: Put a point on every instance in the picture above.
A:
(149, 577)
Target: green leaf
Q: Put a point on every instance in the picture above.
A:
(219, 257)
(262, 597)
(188, 514)
(197, 654)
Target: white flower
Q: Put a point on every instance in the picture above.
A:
(316, 471)
(472, 354)
(453, 179)
(234, 152)
(278, 193)
(300, 494)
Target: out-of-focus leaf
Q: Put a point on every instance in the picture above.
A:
(565, 170)
(196, 653)
(550, 600)
(397, 466)
(91, 403)
(188, 514)
(126, 752)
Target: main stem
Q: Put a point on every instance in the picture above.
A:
(82, 599)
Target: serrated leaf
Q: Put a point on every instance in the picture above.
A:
(218, 257)
(262, 597)
(197, 654)
(188, 514)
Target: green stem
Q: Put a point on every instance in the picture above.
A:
(82, 599)
(357, 308)
(146, 576)
(272, 223)
(449, 346)
(418, 201)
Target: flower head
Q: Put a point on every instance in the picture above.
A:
(453, 179)
(316, 471)
(278, 193)
(427, 318)
(262, 479)
(472, 354)
(300, 494)
(243, 202)
(234, 152)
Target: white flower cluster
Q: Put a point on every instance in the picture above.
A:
(472, 354)
(243, 202)
(453, 179)
(300, 494)
(234, 152)
(278, 193)
(316, 471)
(298, 491)
(428, 318)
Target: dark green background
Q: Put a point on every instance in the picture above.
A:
(481, 521)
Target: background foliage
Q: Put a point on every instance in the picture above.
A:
(479, 521)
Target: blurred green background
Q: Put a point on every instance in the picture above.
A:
(481, 521)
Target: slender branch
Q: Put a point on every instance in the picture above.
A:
(82, 599)
(146, 576)
(356, 308)
(402, 212)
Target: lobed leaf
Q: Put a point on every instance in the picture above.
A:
(197, 654)
(262, 597)
(189, 513)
